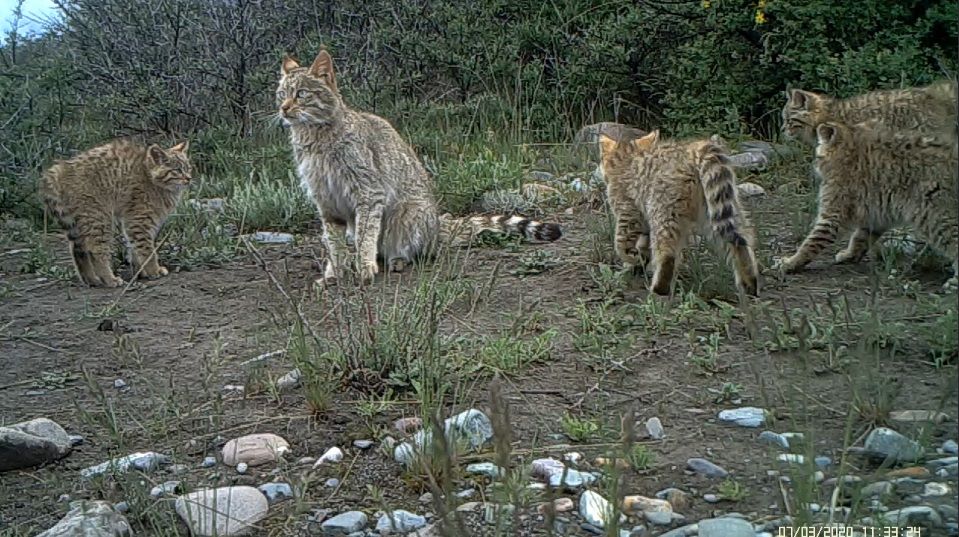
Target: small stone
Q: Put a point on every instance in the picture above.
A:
(633, 504)
(63, 498)
(889, 444)
(750, 190)
(935, 464)
(399, 521)
(774, 439)
(705, 467)
(485, 468)
(119, 384)
(234, 388)
(560, 505)
(408, 425)
(208, 462)
(332, 483)
(289, 381)
(121, 507)
(573, 457)
(725, 527)
(427, 497)
(543, 468)
(76, 440)
(362, 444)
(165, 489)
(936, 489)
(918, 515)
(950, 447)
(140, 461)
(879, 488)
(658, 518)
(222, 511)
(744, 416)
(254, 449)
(466, 493)
(677, 498)
(272, 237)
(242, 467)
(638, 531)
(711, 498)
(595, 509)
(31, 443)
(276, 492)
(572, 479)
(345, 523)
(177, 469)
(90, 519)
(303, 461)
(791, 458)
(913, 416)
(655, 429)
(332, 455)
(823, 462)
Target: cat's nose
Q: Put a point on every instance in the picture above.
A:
(286, 105)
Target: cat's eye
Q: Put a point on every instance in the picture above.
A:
(281, 94)
(302, 94)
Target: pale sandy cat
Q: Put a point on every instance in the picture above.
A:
(117, 182)
(367, 183)
(929, 109)
(873, 179)
(662, 191)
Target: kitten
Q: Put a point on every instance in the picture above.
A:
(661, 191)
(120, 181)
(929, 109)
(367, 183)
(873, 179)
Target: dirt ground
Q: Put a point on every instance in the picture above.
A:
(176, 342)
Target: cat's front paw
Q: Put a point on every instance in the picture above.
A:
(366, 270)
(154, 273)
(846, 256)
(786, 265)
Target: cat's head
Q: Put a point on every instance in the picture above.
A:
(308, 95)
(802, 112)
(613, 154)
(170, 168)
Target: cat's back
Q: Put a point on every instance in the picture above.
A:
(99, 174)
(927, 108)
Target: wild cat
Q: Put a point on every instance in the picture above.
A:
(366, 182)
(873, 179)
(661, 191)
(119, 181)
(929, 109)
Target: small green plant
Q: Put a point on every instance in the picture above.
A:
(730, 391)
(41, 260)
(507, 354)
(733, 490)
(611, 283)
(537, 262)
(640, 457)
(580, 429)
(705, 353)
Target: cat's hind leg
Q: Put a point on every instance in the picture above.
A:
(409, 231)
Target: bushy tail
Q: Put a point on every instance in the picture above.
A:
(54, 205)
(719, 186)
(463, 229)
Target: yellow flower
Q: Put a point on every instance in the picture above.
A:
(760, 17)
(706, 4)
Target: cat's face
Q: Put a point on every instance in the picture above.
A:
(803, 111)
(171, 167)
(308, 96)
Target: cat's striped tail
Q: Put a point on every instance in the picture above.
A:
(465, 228)
(719, 187)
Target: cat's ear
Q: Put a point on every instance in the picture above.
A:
(606, 145)
(647, 141)
(803, 99)
(826, 133)
(156, 155)
(288, 65)
(181, 147)
(323, 68)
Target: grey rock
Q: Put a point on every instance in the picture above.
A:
(177, 469)
(823, 462)
(399, 521)
(918, 515)
(208, 462)
(706, 468)
(222, 511)
(147, 461)
(276, 492)
(242, 467)
(725, 527)
(934, 489)
(658, 518)
(711, 498)
(791, 458)
(892, 445)
(485, 468)
(472, 427)
(332, 483)
(427, 497)
(121, 507)
(595, 509)
(571, 478)
(272, 237)
(76, 439)
(744, 417)
(879, 488)
(655, 428)
(345, 523)
(685, 531)
(90, 519)
(774, 439)
(466, 493)
(31, 443)
(120, 384)
(638, 531)
(363, 444)
(935, 464)
(590, 528)
(289, 381)
(950, 447)
(166, 488)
